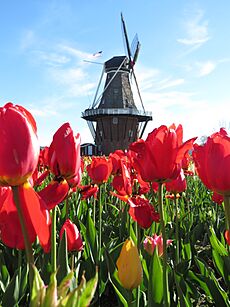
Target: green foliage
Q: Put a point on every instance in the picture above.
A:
(62, 296)
(199, 277)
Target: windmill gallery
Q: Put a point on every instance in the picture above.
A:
(113, 118)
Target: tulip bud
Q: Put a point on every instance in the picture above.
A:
(74, 240)
(19, 149)
(129, 266)
(227, 236)
(156, 241)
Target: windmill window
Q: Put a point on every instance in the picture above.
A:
(115, 120)
(115, 91)
(100, 132)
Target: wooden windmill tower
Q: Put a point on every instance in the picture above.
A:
(113, 118)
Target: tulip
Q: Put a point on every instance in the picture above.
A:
(35, 214)
(150, 243)
(123, 183)
(217, 198)
(18, 160)
(88, 190)
(159, 158)
(74, 240)
(100, 169)
(19, 148)
(64, 155)
(212, 165)
(116, 158)
(142, 211)
(212, 162)
(227, 236)
(177, 185)
(129, 266)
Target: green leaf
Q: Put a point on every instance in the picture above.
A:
(38, 290)
(11, 295)
(183, 299)
(120, 296)
(51, 292)
(123, 294)
(62, 259)
(23, 281)
(88, 292)
(155, 287)
(210, 284)
(63, 288)
(91, 235)
(216, 244)
(219, 262)
(132, 234)
(4, 277)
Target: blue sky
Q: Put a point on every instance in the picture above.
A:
(183, 69)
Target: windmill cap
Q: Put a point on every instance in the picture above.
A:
(116, 62)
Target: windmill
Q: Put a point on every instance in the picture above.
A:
(113, 118)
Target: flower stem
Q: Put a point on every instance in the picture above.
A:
(177, 231)
(94, 210)
(162, 222)
(28, 246)
(138, 247)
(130, 298)
(53, 242)
(100, 221)
(227, 211)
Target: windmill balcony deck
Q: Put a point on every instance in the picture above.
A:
(93, 114)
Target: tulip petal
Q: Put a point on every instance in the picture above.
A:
(10, 227)
(54, 193)
(35, 207)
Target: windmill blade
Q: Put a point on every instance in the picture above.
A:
(135, 47)
(136, 53)
(138, 90)
(126, 39)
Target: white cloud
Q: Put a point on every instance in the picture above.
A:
(79, 54)
(196, 31)
(206, 68)
(169, 82)
(52, 58)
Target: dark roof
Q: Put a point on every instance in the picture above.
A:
(116, 61)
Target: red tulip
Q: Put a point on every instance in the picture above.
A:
(186, 164)
(142, 211)
(19, 148)
(217, 198)
(74, 240)
(64, 155)
(100, 169)
(159, 158)
(115, 158)
(43, 157)
(36, 216)
(212, 161)
(54, 193)
(122, 183)
(227, 236)
(177, 185)
(18, 160)
(88, 190)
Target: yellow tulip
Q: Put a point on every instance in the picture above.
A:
(129, 266)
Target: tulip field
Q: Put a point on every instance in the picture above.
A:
(148, 226)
